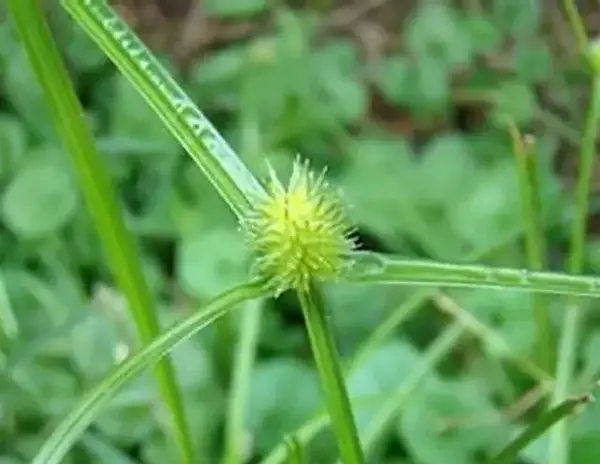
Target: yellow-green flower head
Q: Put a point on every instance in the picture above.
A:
(300, 232)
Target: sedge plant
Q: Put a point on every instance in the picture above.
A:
(299, 231)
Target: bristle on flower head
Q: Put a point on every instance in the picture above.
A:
(299, 232)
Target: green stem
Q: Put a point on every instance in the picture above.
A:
(249, 327)
(493, 339)
(67, 114)
(390, 408)
(369, 267)
(307, 431)
(328, 363)
(74, 425)
(510, 452)
(242, 369)
(295, 451)
(9, 324)
(573, 317)
(527, 168)
(570, 7)
(584, 182)
(232, 179)
(389, 326)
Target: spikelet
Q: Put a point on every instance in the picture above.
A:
(298, 233)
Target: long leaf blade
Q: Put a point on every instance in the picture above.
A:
(510, 452)
(94, 180)
(369, 267)
(75, 424)
(232, 179)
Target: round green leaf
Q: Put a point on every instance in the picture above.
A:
(482, 33)
(12, 143)
(391, 76)
(533, 60)
(422, 424)
(232, 8)
(436, 32)
(490, 205)
(517, 17)
(211, 262)
(283, 394)
(515, 101)
(447, 164)
(40, 200)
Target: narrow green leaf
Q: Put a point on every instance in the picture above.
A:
(187, 123)
(390, 408)
(369, 267)
(307, 431)
(242, 369)
(573, 318)
(526, 157)
(70, 429)
(9, 326)
(510, 452)
(493, 339)
(295, 452)
(577, 24)
(68, 117)
(105, 451)
(390, 325)
(248, 335)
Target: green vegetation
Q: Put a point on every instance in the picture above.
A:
(462, 139)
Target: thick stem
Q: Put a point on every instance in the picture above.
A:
(330, 371)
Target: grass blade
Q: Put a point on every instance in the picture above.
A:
(573, 317)
(232, 179)
(334, 388)
(295, 452)
(493, 339)
(577, 24)
(313, 426)
(9, 325)
(389, 326)
(369, 267)
(104, 450)
(100, 196)
(526, 157)
(242, 369)
(390, 408)
(510, 452)
(75, 424)
(250, 326)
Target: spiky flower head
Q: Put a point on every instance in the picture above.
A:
(300, 232)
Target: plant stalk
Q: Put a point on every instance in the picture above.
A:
(574, 314)
(510, 453)
(245, 353)
(67, 114)
(526, 157)
(70, 429)
(330, 371)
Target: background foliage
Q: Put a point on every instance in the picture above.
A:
(406, 104)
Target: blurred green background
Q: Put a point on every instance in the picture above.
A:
(405, 102)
